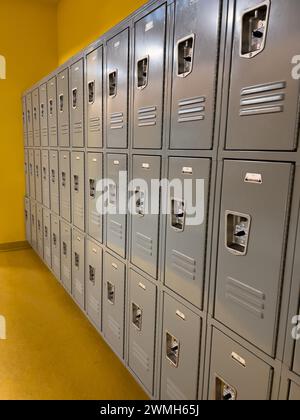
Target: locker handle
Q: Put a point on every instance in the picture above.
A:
(110, 293)
(142, 72)
(172, 349)
(44, 174)
(39, 225)
(50, 107)
(37, 172)
(46, 232)
(61, 103)
(76, 183)
(113, 83)
(65, 249)
(35, 113)
(178, 215)
(42, 110)
(28, 116)
(53, 176)
(92, 274)
(92, 188)
(140, 202)
(63, 179)
(54, 239)
(26, 214)
(31, 169)
(224, 391)
(74, 98)
(137, 316)
(185, 55)
(77, 260)
(237, 229)
(91, 91)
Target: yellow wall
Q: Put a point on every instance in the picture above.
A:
(81, 22)
(28, 40)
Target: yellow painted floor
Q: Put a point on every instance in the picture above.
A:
(51, 350)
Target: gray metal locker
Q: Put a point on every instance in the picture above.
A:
(33, 225)
(253, 225)
(93, 284)
(29, 120)
(27, 220)
(24, 110)
(150, 33)
(63, 109)
(38, 176)
(113, 304)
(47, 237)
(52, 112)
(94, 98)
(194, 73)
(66, 255)
(54, 181)
(296, 367)
(117, 71)
(46, 178)
(94, 175)
(294, 392)
(65, 185)
(55, 245)
(78, 188)
(27, 178)
(264, 95)
(142, 322)
(145, 225)
(44, 115)
(116, 222)
(31, 173)
(36, 117)
(40, 230)
(78, 267)
(186, 242)
(76, 104)
(180, 352)
(235, 373)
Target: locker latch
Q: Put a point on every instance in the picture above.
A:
(37, 172)
(65, 249)
(54, 238)
(91, 90)
(35, 113)
(224, 391)
(173, 349)
(42, 110)
(53, 176)
(74, 98)
(113, 83)
(110, 293)
(140, 202)
(39, 225)
(77, 260)
(28, 116)
(178, 215)
(92, 188)
(31, 169)
(61, 103)
(92, 274)
(26, 215)
(185, 56)
(254, 30)
(137, 316)
(237, 232)
(46, 232)
(63, 179)
(51, 107)
(44, 174)
(76, 183)
(142, 72)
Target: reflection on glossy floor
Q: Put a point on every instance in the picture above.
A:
(51, 350)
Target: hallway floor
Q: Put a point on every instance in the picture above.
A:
(51, 351)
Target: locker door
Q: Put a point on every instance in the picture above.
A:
(27, 220)
(234, 372)
(38, 176)
(63, 108)
(297, 358)
(24, 121)
(54, 182)
(55, 245)
(27, 178)
(46, 178)
(253, 226)
(180, 352)
(29, 119)
(264, 96)
(33, 225)
(142, 309)
(94, 282)
(66, 255)
(78, 267)
(52, 112)
(36, 117)
(114, 303)
(47, 237)
(194, 73)
(76, 104)
(95, 174)
(186, 243)
(117, 90)
(40, 232)
(150, 33)
(32, 173)
(116, 222)
(294, 392)
(145, 226)
(78, 196)
(44, 115)
(94, 98)
(65, 185)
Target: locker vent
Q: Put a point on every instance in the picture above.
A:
(250, 299)
(173, 392)
(191, 109)
(145, 244)
(94, 304)
(79, 287)
(262, 99)
(44, 132)
(53, 131)
(117, 121)
(141, 356)
(184, 264)
(147, 116)
(65, 206)
(114, 327)
(95, 125)
(116, 229)
(79, 210)
(77, 127)
(64, 129)
(95, 218)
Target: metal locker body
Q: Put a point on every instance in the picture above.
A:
(116, 223)
(36, 117)
(29, 120)
(78, 267)
(94, 175)
(180, 352)
(44, 115)
(297, 358)
(264, 96)
(294, 392)
(94, 98)
(33, 225)
(145, 227)
(78, 197)
(40, 230)
(194, 73)
(52, 112)
(66, 255)
(63, 109)
(46, 178)
(27, 220)
(117, 66)
(149, 76)
(113, 304)
(55, 245)
(253, 227)
(54, 181)
(186, 244)
(31, 173)
(76, 104)
(235, 373)
(27, 177)
(65, 185)
(38, 176)
(24, 110)
(47, 237)
(142, 321)
(93, 284)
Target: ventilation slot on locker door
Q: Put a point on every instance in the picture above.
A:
(113, 83)
(92, 274)
(142, 72)
(92, 188)
(173, 348)
(137, 316)
(191, 109)
(110, 293)
(185, 56)
(224, 391)
(178, 215)
(91, 90)
(237, 232)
